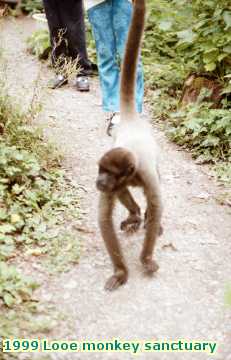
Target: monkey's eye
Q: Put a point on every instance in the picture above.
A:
(102, 169)
(120, 177)
(123, 174)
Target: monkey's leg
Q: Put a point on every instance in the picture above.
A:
(161, 230)
(106, 206)
(132, 223)
(153, 218)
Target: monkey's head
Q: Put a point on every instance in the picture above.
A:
(116, 169)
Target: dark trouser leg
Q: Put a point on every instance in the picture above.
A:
(72, 16)
(56, 28)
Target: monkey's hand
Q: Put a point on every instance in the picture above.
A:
(119, 278)
(150, 265)
(131, 224)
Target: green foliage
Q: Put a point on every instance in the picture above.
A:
(206, 132)
(184, 37)
(31, 203)
(165, 68)
(90, 41)
(32, 6)
(223, 173)
(210, 43)
(27, 318)
(36, 202)
(14, 289)
(17, 130)
(21, 312)
(196, 32)
(39, 43)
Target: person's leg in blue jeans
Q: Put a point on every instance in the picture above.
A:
(110, 22)
(100, 17)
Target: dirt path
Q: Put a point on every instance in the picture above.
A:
(186, 298)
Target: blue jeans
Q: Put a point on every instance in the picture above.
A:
(110, 22)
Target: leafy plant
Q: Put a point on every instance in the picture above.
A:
(32, 6)
(206, 133)
(28, 194)
(17, 130)
(197, 30)
(223, 173)
(190, 37)
(90, 41)
(14, 289)
(39, 43)
(36, 202)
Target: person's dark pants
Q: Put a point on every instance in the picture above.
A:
(67, 32)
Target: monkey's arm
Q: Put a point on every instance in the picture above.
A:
(153, 225)
(126, 198)
(106, 206)
(133, 221)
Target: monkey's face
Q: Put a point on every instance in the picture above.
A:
(116, 169)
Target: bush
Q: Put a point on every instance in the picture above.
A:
(191, 37)
(207, 132)
(197, 33)
(14, 288)
(36, 200)
(32, 6)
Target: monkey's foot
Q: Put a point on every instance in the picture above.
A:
(131, 224)
(150, 266)
(116, 280)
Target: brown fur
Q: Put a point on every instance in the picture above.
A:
(128, 77)
(116, 170)
(131, 162)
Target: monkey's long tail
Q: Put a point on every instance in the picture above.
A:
(129, 66)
